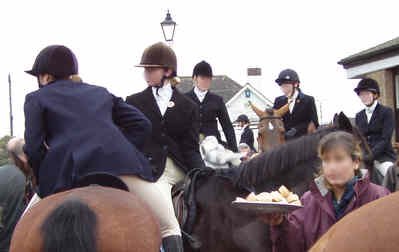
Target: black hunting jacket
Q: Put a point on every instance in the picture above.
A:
(174, 135)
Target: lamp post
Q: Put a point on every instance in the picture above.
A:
(168, 28)
(10, 101)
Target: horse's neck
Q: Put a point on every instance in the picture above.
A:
(282, 164)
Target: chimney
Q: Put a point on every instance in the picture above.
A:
(254, 77)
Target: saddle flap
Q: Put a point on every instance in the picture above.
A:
(102, 179)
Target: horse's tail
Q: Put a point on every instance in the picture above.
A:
(70, 227)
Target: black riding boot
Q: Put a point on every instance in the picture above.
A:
(173, 243)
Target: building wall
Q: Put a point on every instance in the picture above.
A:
(386, 83)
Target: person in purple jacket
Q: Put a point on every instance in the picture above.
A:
(341, 188)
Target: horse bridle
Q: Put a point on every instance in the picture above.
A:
(270, 118)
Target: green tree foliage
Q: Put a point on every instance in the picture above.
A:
(3, 150)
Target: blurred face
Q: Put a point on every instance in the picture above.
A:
(153, 75)
(287, 89)
(244, 150)
(338, 167)
(367, 97)
(203, 82)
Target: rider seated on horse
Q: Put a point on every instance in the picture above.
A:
(211, 107)
(172, 148)
(376, 123)
(341, 188)
(301, 114)
(74, 130)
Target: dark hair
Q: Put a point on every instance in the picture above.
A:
(70, 227)
(341, 139)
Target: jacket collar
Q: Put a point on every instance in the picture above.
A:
(324, 196)
(319, 185)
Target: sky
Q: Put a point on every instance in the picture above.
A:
(108, 38)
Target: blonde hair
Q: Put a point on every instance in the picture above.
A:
(75, 78)
(174, 81)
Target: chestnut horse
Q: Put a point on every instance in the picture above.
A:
(88, 219)
(373, 227)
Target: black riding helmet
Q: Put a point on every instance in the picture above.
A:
(287, 76)
(57, 60)
(367, 84)
(243, 118)
(203, 69)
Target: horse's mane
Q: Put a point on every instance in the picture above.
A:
(281, 160)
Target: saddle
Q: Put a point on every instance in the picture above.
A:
(184, 203)
(102, 179)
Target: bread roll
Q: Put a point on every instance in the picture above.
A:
(298, 203)
(264, 197)
(277, 197)
(284, 191)
(251, 197)
(292, 197)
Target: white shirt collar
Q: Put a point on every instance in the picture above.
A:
(296, 93)
(292, 104)
(162, 96)
(200, 93)
(370, 109)
(163, 91)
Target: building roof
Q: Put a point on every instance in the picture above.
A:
(221, 85)
(380, 51)
(252, 89)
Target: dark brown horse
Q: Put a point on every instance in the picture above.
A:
(373, 227)
(218, 227)
(88, 219)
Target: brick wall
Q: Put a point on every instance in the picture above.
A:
(385, 79)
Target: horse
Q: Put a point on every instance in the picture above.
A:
(369, 228)
(88, 219)
(214, 225)
(271, 132)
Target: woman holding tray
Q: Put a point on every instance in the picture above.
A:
(341, 188)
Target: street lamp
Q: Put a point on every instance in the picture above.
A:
(168, 28)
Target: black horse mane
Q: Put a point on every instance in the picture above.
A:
(281, 160)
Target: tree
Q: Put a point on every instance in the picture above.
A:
(3, 150)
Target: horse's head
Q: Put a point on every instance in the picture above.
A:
(270, 129)
(342, 122)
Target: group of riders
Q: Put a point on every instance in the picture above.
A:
(151, 140)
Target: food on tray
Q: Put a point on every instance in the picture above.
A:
(283, 195)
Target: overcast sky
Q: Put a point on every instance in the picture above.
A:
(108, 38)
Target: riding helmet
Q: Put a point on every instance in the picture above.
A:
(243, 118)
(203, 69)
(367, 84)
(159, 55)
(287, 76)
(57, 60)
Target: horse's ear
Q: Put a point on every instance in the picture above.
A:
(335, 120)
(260, 113)
(344, 123)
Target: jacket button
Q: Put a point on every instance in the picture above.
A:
(165, 147)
